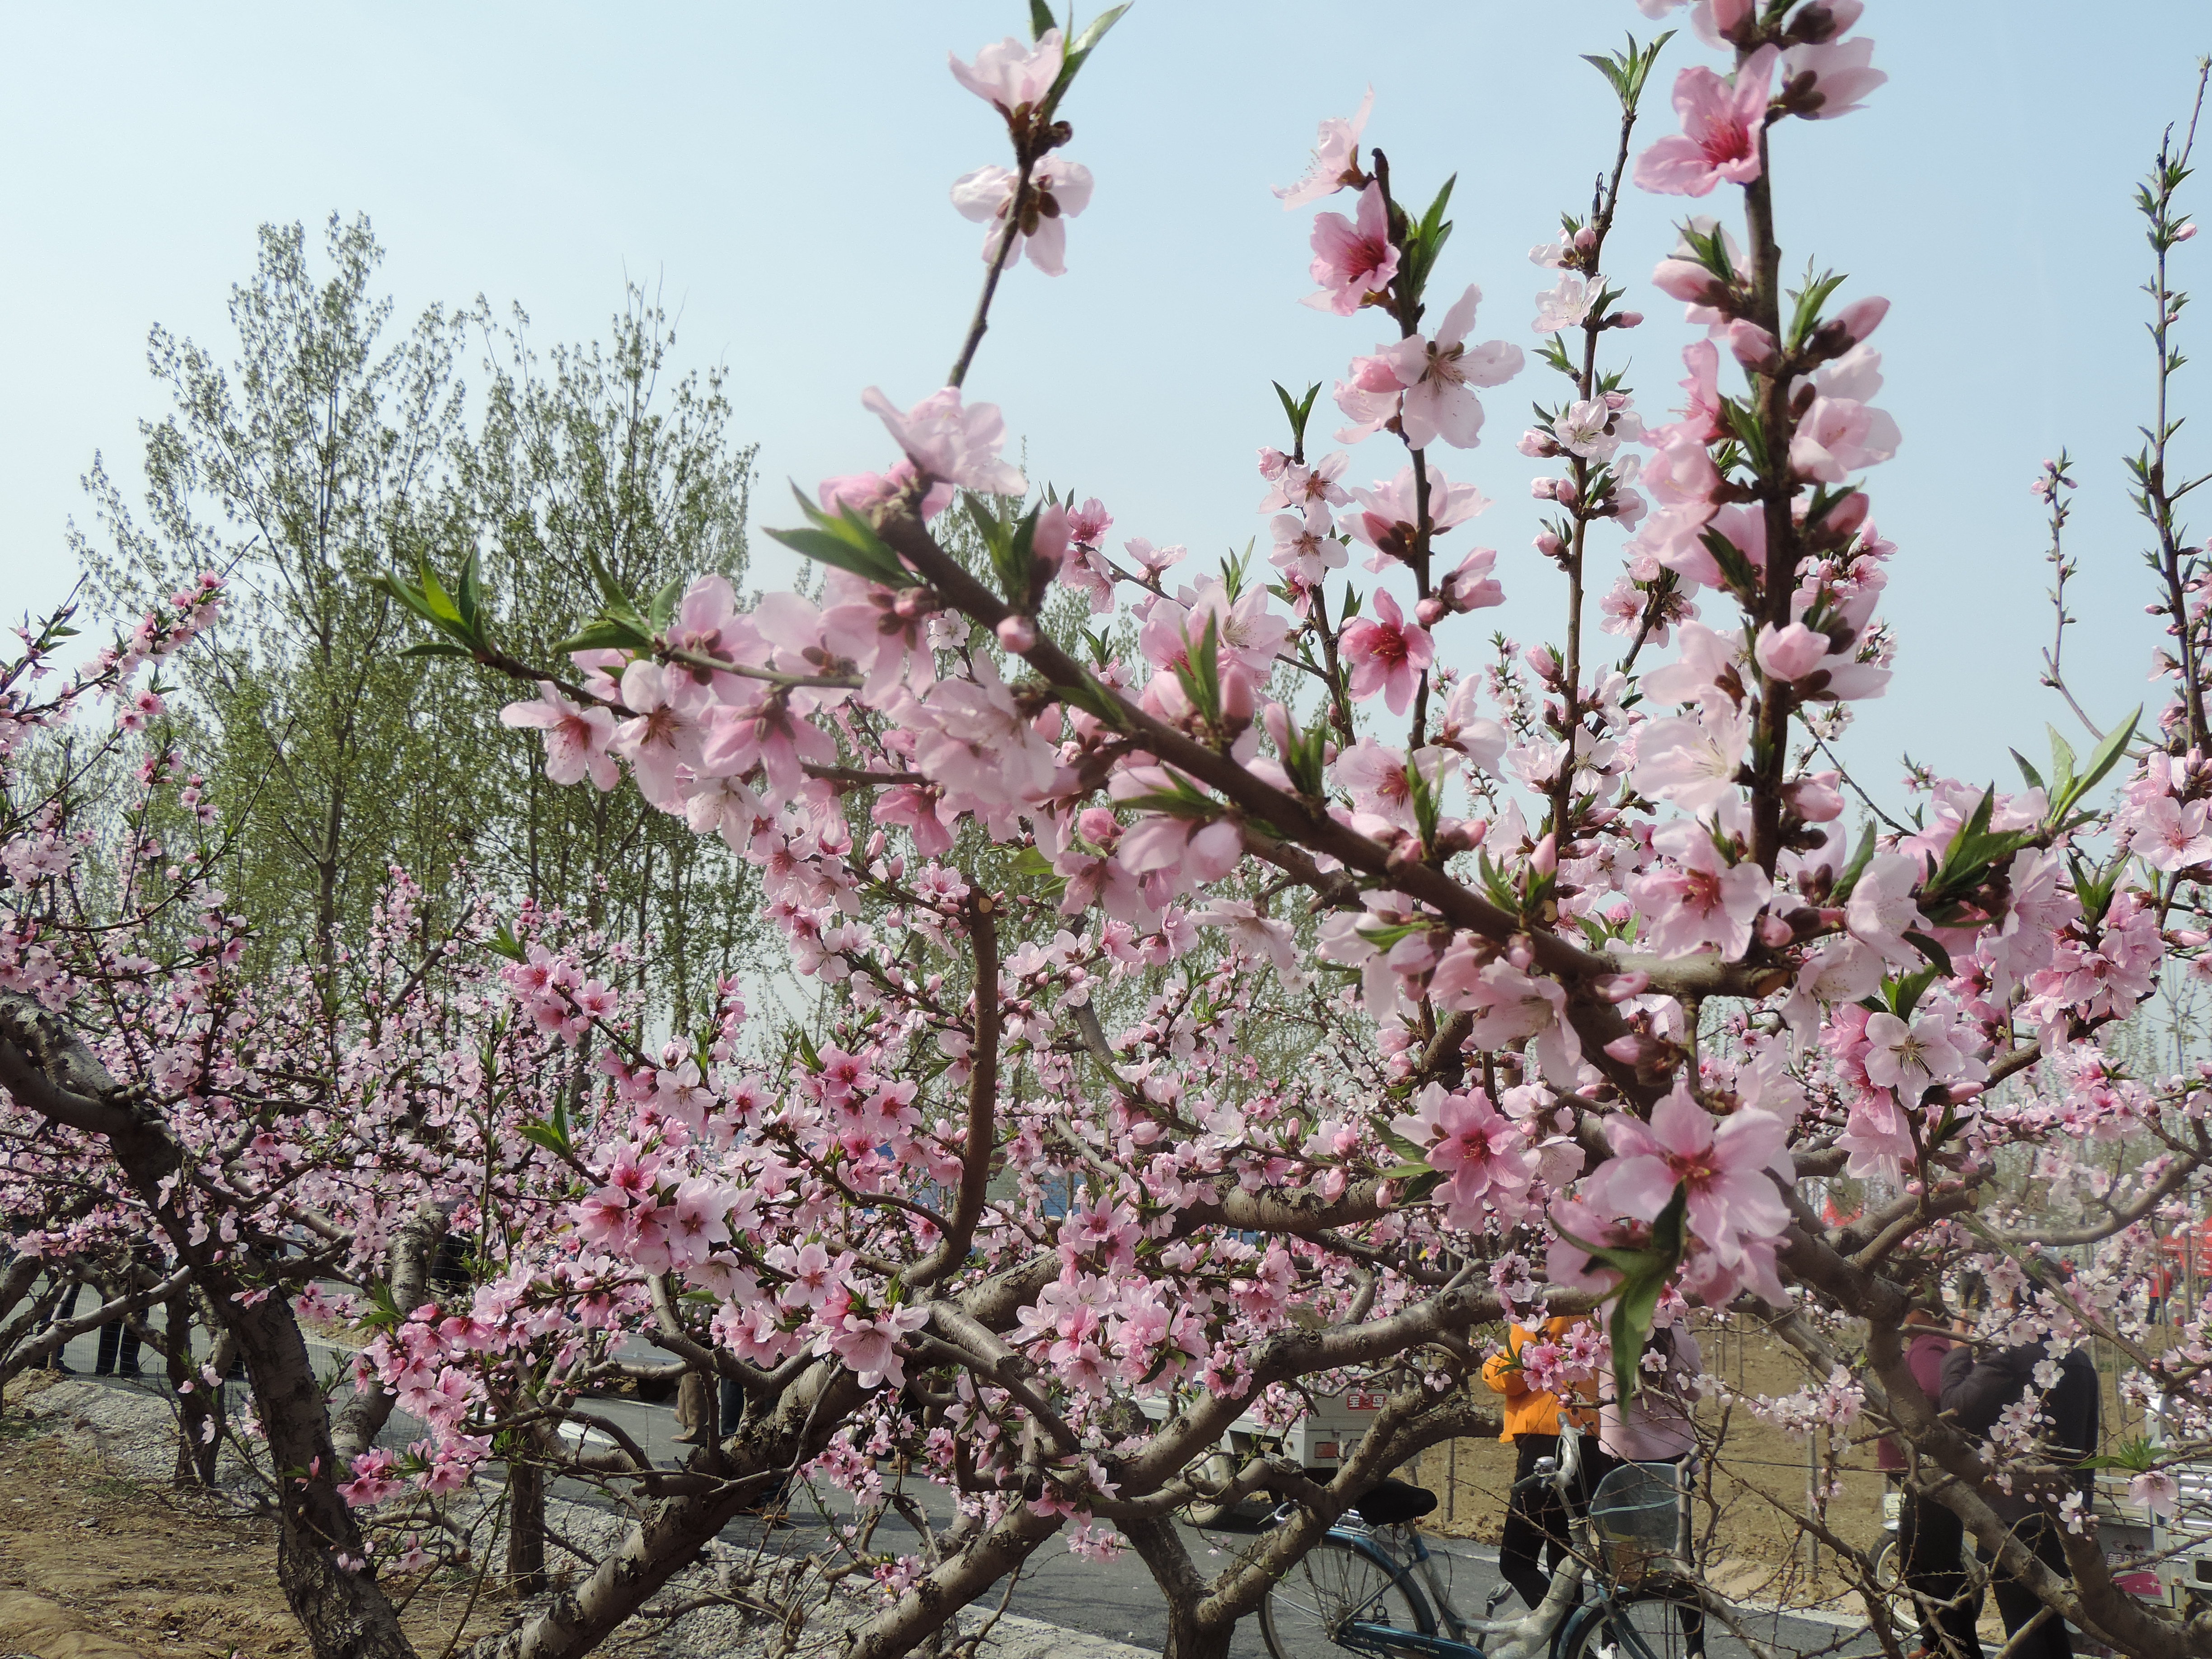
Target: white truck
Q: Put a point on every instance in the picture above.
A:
(1318, 1441)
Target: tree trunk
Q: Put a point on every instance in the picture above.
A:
(525, 1526)
(196, 1443)
(1186, 1640)
(1158, 1545)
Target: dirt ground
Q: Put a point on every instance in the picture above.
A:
(94, 1565)
(1753, 1548)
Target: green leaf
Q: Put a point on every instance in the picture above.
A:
(1929, 949)
(442, 606)
(397, 585)
(2106, 756)
(1041, 21)
(1298, 411)
(1810, 299)
(438, 648)
(1902, 992)
(1862, 856)
(1094, 30)
(2061, 759)
(505, 943)
(540, 1133)
(2035, 778)
(606, 634)
(471, 593)
(662, 610)
(847, 541)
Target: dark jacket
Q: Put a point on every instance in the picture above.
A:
(1976, 1388)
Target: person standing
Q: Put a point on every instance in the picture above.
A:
(1656, 1425)
(1931, 1538)
(1535, 1538)
(1976, 1393)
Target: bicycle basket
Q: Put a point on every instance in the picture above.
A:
(1636, 1517)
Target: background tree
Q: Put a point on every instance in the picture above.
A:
(330, 452)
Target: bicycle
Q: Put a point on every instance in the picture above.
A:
(1371, 1586)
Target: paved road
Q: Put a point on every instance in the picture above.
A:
(1115, 1599)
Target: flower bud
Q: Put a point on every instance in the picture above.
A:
(1753, 347)
(1239, 694)
(1585, 239)
(1541, 488)
(1792, 652)
(1861, 318)
(1431, 611)
(1619, 988)
(1691, 283)
(1544, 861)
(1549, 544)
(1773, 931)
(1542, 658)
(1017, 634)
(1098, 826)
(1048, 544)
(1538, 445)
(1625, 319)
(1815, 799)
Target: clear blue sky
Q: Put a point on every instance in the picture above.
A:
(781, 170)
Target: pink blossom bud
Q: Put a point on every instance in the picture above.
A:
(1914, 1188)
(1792, 652)
(1549, 544)
(1619, 988)
(1538, 445)
(1544, 861)
(1275, 721)
(1625, 319)
(1585, 239)
(1017, 634)
(1541, 488)
(2186, 938)
(1634, 1049)
(1816, 800)
(1960, 1093)
(1098, 826)
(1542, 658)
(2186, 231)
(1845, 517)
(1730, 16)
(1431, 611)
(1753, 347)
(1272, 463)
(1519, 951)
(1239, 693)
(1773, 931)
(1049, 543)
(1689, 281)
(875, 846)
(1861, 318)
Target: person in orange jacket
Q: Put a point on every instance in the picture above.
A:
(1535, 1538)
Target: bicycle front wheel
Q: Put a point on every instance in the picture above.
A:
(1309, 1612)
(1652, 1624)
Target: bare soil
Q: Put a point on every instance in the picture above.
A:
(96, 1563)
